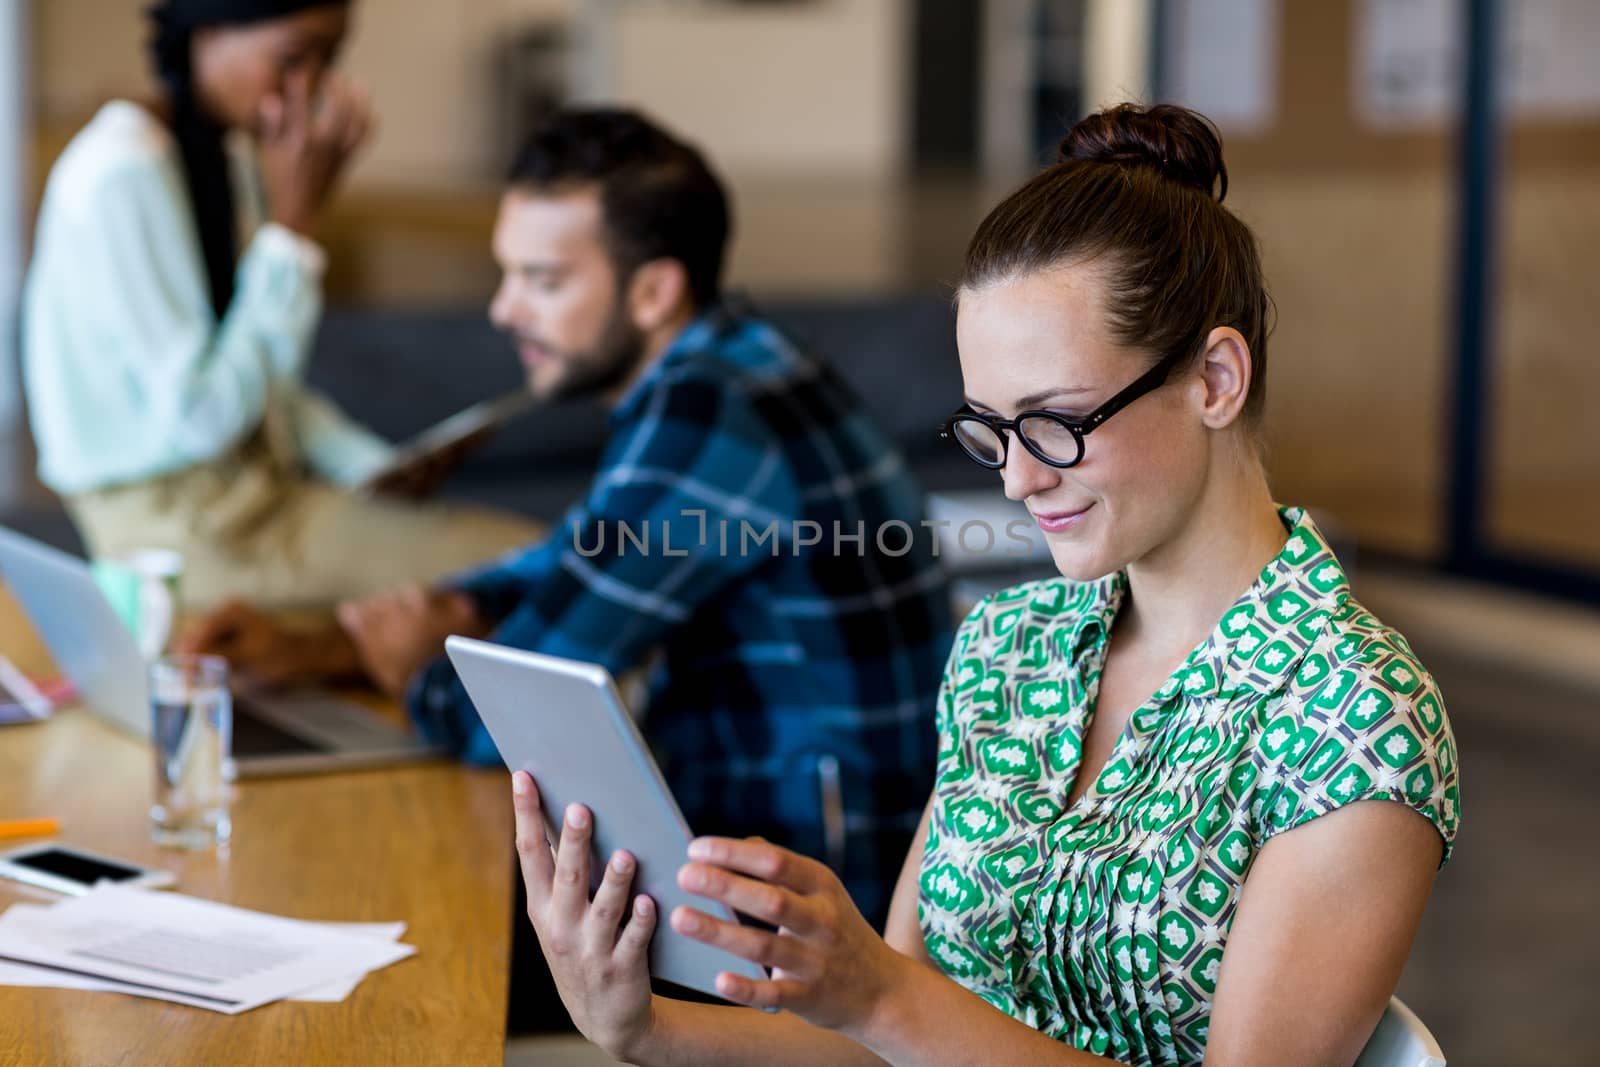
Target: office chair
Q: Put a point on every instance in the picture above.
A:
(1401, 1040)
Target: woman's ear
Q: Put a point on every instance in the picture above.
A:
(1226, 372)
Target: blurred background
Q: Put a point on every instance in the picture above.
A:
(1424, 176)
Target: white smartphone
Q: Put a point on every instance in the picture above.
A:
(74, 871)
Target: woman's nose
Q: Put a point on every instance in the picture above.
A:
(1024, 474)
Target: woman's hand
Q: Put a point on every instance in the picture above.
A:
(828, 965)
(305, 139)
(602, 973)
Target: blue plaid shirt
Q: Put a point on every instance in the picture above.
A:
(751, 528)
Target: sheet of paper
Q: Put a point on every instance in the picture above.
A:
(16, 974)
(23, 700)
(334, 992)
(192, 951)
(19, 974)
(22, 975)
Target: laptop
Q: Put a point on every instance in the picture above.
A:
(298, 732)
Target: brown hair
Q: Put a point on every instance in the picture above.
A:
(1139, 190)
(658, 196)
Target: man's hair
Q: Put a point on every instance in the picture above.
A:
(658, 197)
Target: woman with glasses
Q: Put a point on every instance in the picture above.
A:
(170, 307)
(1192, 796)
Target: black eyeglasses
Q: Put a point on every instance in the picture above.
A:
(1051, 438)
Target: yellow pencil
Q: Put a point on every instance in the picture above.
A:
(29, 828)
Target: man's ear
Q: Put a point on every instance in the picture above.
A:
(657, 293)
(1226, 371)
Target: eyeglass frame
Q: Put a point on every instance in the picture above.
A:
(1004, 429)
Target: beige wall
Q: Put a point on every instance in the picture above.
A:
(85, 51)
(1544, 477)
(431, 66)
(1358, 267)
(803, 91)
(1358, 227)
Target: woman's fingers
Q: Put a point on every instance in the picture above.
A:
(355, 134)
(610, 902)
(533, 848)
(765, 947)
(635, 938)
(331, 113)
(360, 123)
(759, 859)
(760, 900)
(569, 893)
(271, 117)
(296, 104)
(343, 115)
(770, 994)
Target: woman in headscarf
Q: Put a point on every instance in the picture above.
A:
(170, 306)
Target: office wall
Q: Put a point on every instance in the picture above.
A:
(85, 52)
(1358, 226)
(433, 71)
(796, 103)
(795, 90)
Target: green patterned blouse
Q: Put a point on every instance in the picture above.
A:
(1103, 925)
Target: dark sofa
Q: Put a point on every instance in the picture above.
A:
(400, 371)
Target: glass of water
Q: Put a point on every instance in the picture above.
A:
(192, 734)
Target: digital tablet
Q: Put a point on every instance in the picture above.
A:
(563, 722)
(454, 431)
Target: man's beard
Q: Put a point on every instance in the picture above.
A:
(605, 366)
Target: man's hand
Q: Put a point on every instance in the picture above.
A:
(262, 651)
(397, 633)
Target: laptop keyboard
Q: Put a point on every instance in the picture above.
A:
(255, 736)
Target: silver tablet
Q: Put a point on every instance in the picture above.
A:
(563, 722)
(456, 431)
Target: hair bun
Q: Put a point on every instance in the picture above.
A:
(1180, 143)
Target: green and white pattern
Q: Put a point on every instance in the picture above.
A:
(1103, 925)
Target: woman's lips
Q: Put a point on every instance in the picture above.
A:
(1060, 521)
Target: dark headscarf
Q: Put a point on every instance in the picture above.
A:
(200, 140)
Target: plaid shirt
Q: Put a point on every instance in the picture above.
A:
(754, 531)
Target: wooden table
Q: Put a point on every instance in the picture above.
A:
(429, 844)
